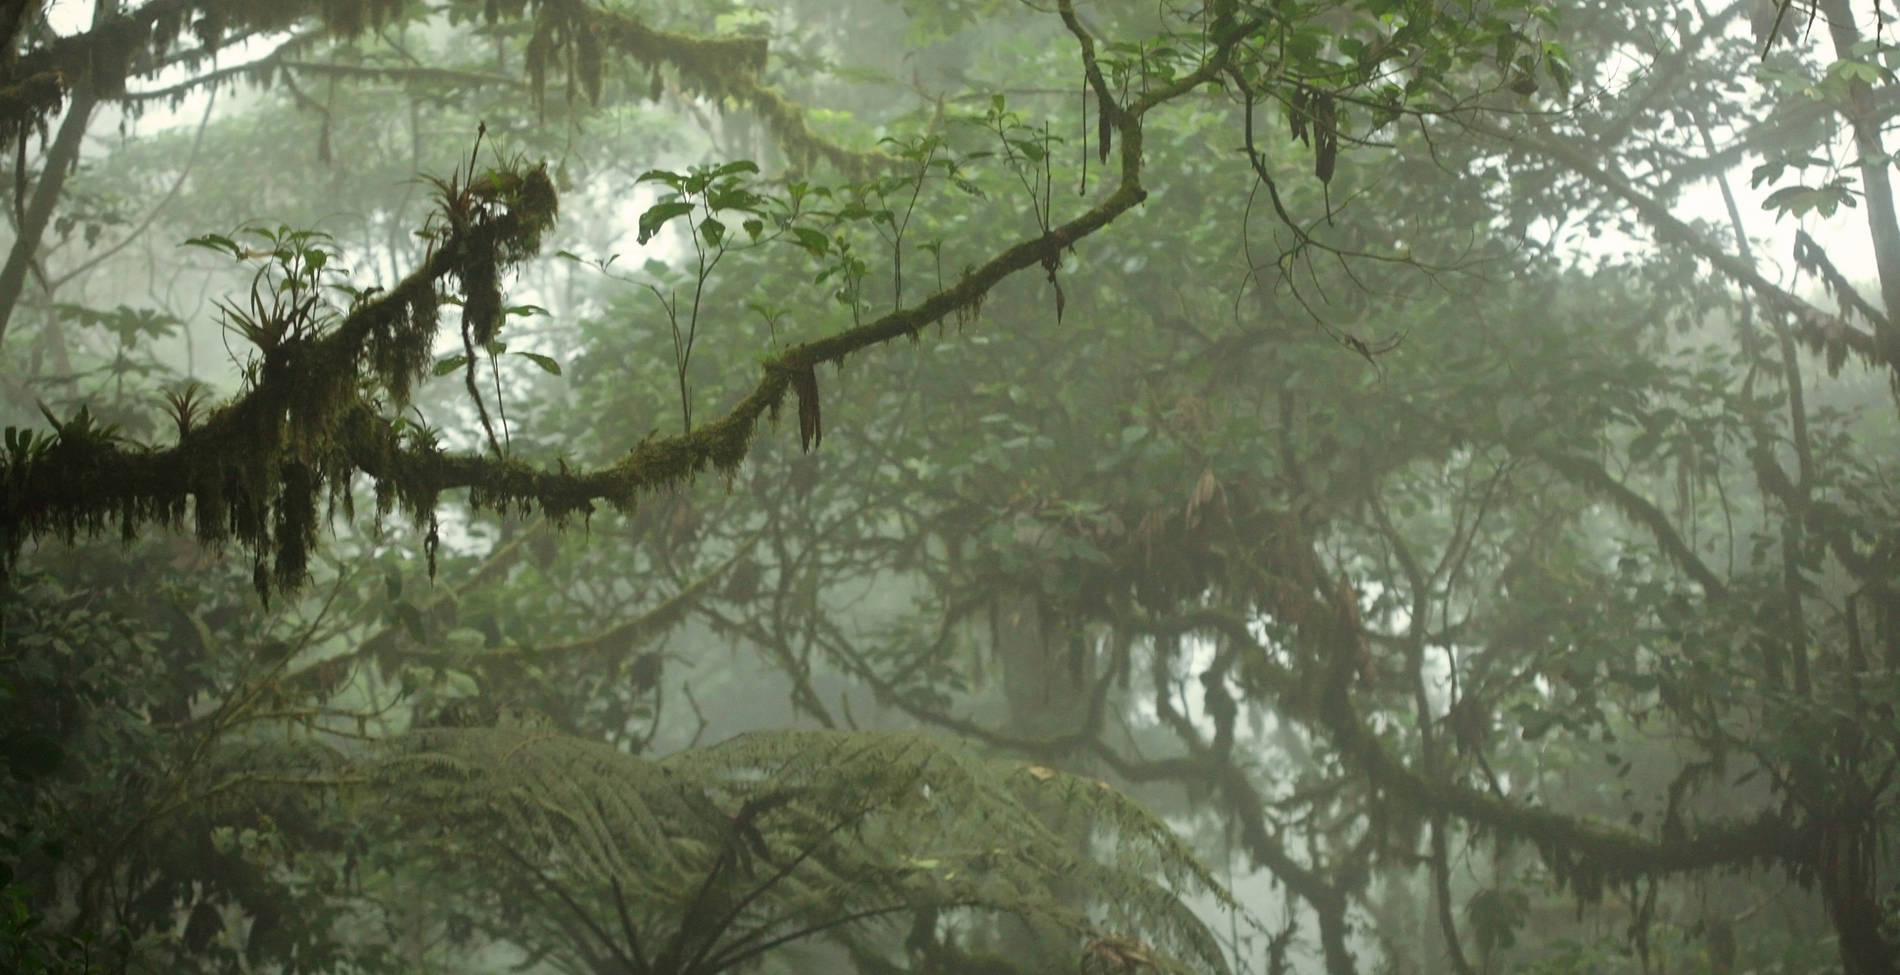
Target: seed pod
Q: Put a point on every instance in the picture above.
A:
(811, 431)
(1325, 136)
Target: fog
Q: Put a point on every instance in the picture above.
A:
(966, 487)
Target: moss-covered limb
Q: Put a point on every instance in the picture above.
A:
(279, 60)
(31, 97)
(135, 42)
(718, 68)
(255, 469)
(90, 67)
(1593, 478)
(667, 462)
(1582, 853)
(1104, 94)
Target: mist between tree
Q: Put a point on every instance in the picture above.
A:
(620, 487)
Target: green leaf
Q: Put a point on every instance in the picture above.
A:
(448, 364)
(657, 216)
(1798, 200)
(217, 242)
(547, 364)
(1862, 71)
(813, 241)
(734, 198)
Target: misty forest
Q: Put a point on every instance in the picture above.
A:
(674, 487)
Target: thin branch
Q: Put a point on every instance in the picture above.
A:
(184, 171)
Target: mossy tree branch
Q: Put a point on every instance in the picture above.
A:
(254, 469)
(1584, 854)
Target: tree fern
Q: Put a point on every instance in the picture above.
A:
(713, 858)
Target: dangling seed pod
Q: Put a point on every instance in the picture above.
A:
(1325, 136)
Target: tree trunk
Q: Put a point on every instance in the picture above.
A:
(1845, 872)
(60, 159)
(1882, 222)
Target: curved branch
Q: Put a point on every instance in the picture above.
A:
(1817, 328)
(1596, 480)
(1583, 853)
(151, 215)
(723, 442)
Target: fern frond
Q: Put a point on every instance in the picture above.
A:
(706, 860)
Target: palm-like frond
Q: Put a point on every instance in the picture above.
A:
(709, 859)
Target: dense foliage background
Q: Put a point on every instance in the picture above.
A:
(1365, 486)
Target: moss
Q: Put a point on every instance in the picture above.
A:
(256, 470)
(316, 410)
(574, 37)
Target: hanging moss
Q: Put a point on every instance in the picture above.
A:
(575, 36)
(24, 102)
(267, 468)
(315, 410)
(138, 43)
